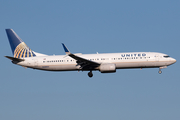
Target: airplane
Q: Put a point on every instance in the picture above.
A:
(105, 62)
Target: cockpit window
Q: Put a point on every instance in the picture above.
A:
(166, 56)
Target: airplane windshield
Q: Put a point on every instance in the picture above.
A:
(166, 56)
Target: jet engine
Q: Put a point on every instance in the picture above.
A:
(107, 68)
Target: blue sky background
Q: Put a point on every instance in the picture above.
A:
(89, 27)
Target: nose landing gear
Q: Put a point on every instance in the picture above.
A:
(161, 68)
(90, 74)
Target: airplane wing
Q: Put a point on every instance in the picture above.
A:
(84, 63)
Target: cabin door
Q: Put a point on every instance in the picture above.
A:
(35, 62)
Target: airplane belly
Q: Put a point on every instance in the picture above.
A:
(143, 64)
(58, 67)
(129, 65)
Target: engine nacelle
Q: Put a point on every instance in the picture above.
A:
(107, 68)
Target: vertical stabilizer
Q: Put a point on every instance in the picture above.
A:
(18, 47)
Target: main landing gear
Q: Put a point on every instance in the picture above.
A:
(159, 71)
(90, 74)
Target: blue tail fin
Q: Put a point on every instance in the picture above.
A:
(19, 48)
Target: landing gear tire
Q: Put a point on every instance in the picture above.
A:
(90, 74)
(159, 71)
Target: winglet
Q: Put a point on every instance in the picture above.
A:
(66, 49)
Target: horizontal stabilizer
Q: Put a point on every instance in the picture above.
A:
(14, 59)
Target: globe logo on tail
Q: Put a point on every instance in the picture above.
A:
(22, 51)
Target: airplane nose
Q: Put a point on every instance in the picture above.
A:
(173, 60)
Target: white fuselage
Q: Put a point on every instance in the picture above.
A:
(105, 63)
(121, 61)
